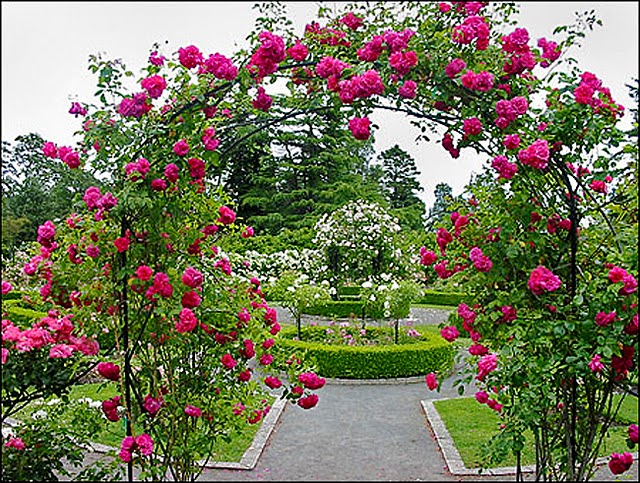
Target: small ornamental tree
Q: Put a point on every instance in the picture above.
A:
(297, 293)
(545, 243)
(358, 242)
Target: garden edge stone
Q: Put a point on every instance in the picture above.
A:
(452, 457)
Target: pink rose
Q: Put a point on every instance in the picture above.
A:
(308, 402)
(109, 370)
(432, 381)
(192, 411)
(359, 127)
(619, 463)
(449, 333)
(543, 280)
(192, 278)
(595, 365)
(187, 321)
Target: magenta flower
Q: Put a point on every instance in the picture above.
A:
(273, 382)
(308, 402)
(192, 411)
(632, 431)
(6, 287)
(408, 89)
(486, 365)
(262, 101)
(145, 444)
(187, 321)
(619, 463)
(310, 380)
(152, 405)
(359, 127)
(109, 370)
(595, 365)
(454, 68)
(192, 277)
(449, 333)
(543, 280)
(266, 359)
(121, 244)
(482, 397)
(190, 56)
(181, 148)
(432, 381)
(227, 215)
(298, 51)
(536, 155)
(16, 443)
(603, 319)
(154, 85)
(228, 361)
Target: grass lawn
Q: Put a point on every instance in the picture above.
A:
(471, 425)
(113, 433)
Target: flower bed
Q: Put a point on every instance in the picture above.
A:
(411, 357)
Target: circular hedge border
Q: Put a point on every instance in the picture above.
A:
(429, 353)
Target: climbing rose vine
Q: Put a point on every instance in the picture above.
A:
(543, 246)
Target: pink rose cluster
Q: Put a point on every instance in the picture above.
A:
(220, 66)
(263, 101)
(135, 106)
(600, 185)
(483, 398)
(427, 257)
(361, 86)
(138, 170)
(154, 85)
(480, 261)
(268, 55)
(543, 280)
(447, 144)
(52, 331)
(619, 463)
(629, 282)
(590, 92)
(536, 155)
(360, 127)
(505, 169)
(550, 51)
(326, 35)
(516, 46)
(351, 21)
(473, 27)
(142, 443)
(96, 201)
(67, 155)
(311, 380)
(483, 81)
(509, 110)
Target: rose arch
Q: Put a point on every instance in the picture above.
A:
(546, 243)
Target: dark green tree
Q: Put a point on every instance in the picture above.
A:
(442, 205)
(35, 189)
(400, 184)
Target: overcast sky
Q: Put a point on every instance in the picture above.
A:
(46, 46)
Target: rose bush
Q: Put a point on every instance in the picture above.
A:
(460, 70)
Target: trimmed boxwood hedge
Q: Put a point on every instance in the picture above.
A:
(433, 297)
(339, 309)
(426, 354)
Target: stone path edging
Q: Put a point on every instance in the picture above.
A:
(452, 457)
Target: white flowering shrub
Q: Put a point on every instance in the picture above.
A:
(359, 242)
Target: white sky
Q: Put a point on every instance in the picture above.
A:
(46, 46)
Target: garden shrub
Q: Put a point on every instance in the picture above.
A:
(433, 297)
(20, 314)
(424, 355)
(338, 309)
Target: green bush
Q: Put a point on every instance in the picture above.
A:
(338, 309)
(426, 354)
(20, 315)
(348, 292)
(433, 297)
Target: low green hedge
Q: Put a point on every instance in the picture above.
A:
(339, 309)
(433, 297)
(427, 354)
(20, 315)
